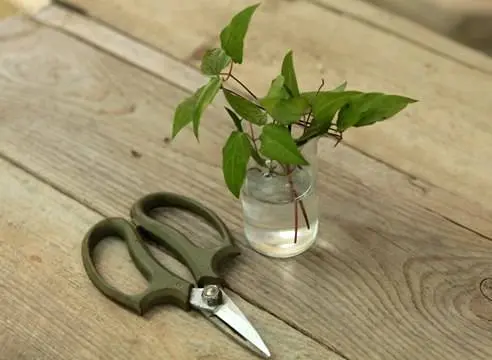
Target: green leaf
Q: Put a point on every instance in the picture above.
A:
(286, 111)
(214, 61)
(352, 112)
(325, 105)
(235, 118)
(289, 74)
(257, 157)
(204, 96)
(183, 114)
(277, 144)
(277, 90)
(246, 109)
(341, 87)
(280, 105)
(366, 109)
(232, 36)
(235, 156)
(386, 107)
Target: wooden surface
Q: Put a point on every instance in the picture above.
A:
(6, 9)
(444, 139)
(55, 313)
(399, 26)
(466, 21)
(395, 275)
(440, 14)
(30, 6)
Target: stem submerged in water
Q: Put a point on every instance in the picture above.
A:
(294, 199)
(304, 214)
(297, 202)
(296, 221)
(295, 196)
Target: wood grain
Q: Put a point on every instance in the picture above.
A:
(441, 15)
(121, 46)
(468, 22)
(389, 278)
(388, 21)
(379, 19)
(6, 9)
(446, 204)
(444, 139)
(30, 6)
(51, 311)
(437, 16)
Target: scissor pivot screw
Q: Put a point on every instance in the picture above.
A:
(212, 295)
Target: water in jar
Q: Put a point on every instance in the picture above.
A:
(269, 213)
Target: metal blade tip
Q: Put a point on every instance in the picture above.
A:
(233, 316)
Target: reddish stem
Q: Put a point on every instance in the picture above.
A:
(242, 84)
(253, 136)
(294, 198)
(296, 195)
(229, 73)
(296, 221)
(304, 213)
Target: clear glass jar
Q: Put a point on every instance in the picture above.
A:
(280, 206)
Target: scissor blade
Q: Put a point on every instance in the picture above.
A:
(234, 318)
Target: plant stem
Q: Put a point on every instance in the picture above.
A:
(339, 139)
(229, 73)
(241, 83)
(241, 96)
(296, 221)
(295, 197)
(294, 192)
(304, 214)
(251, 130)
(308, 118)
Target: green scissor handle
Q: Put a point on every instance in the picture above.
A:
(164, 286)
(202, 262)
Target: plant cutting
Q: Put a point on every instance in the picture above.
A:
(269, 160)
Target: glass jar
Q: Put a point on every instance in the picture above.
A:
(280, 206)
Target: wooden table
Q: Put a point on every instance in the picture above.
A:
(402, 266)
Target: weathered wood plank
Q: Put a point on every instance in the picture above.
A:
(389, 278)
(31, 6)
(444, 139)
(438, 16)
(441, 15)
(54, 312)
(412, 31)
(438, 200)
(121, 46)
(392, 18)
(6, 9)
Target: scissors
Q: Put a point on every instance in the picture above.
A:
(164, 286)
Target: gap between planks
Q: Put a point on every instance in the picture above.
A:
(410, 31)
(79, 147)
(378, 19)
(449, 92)
(335, 354)
(157, 63)
(153, 61)
(30, 6)
(27, 176)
